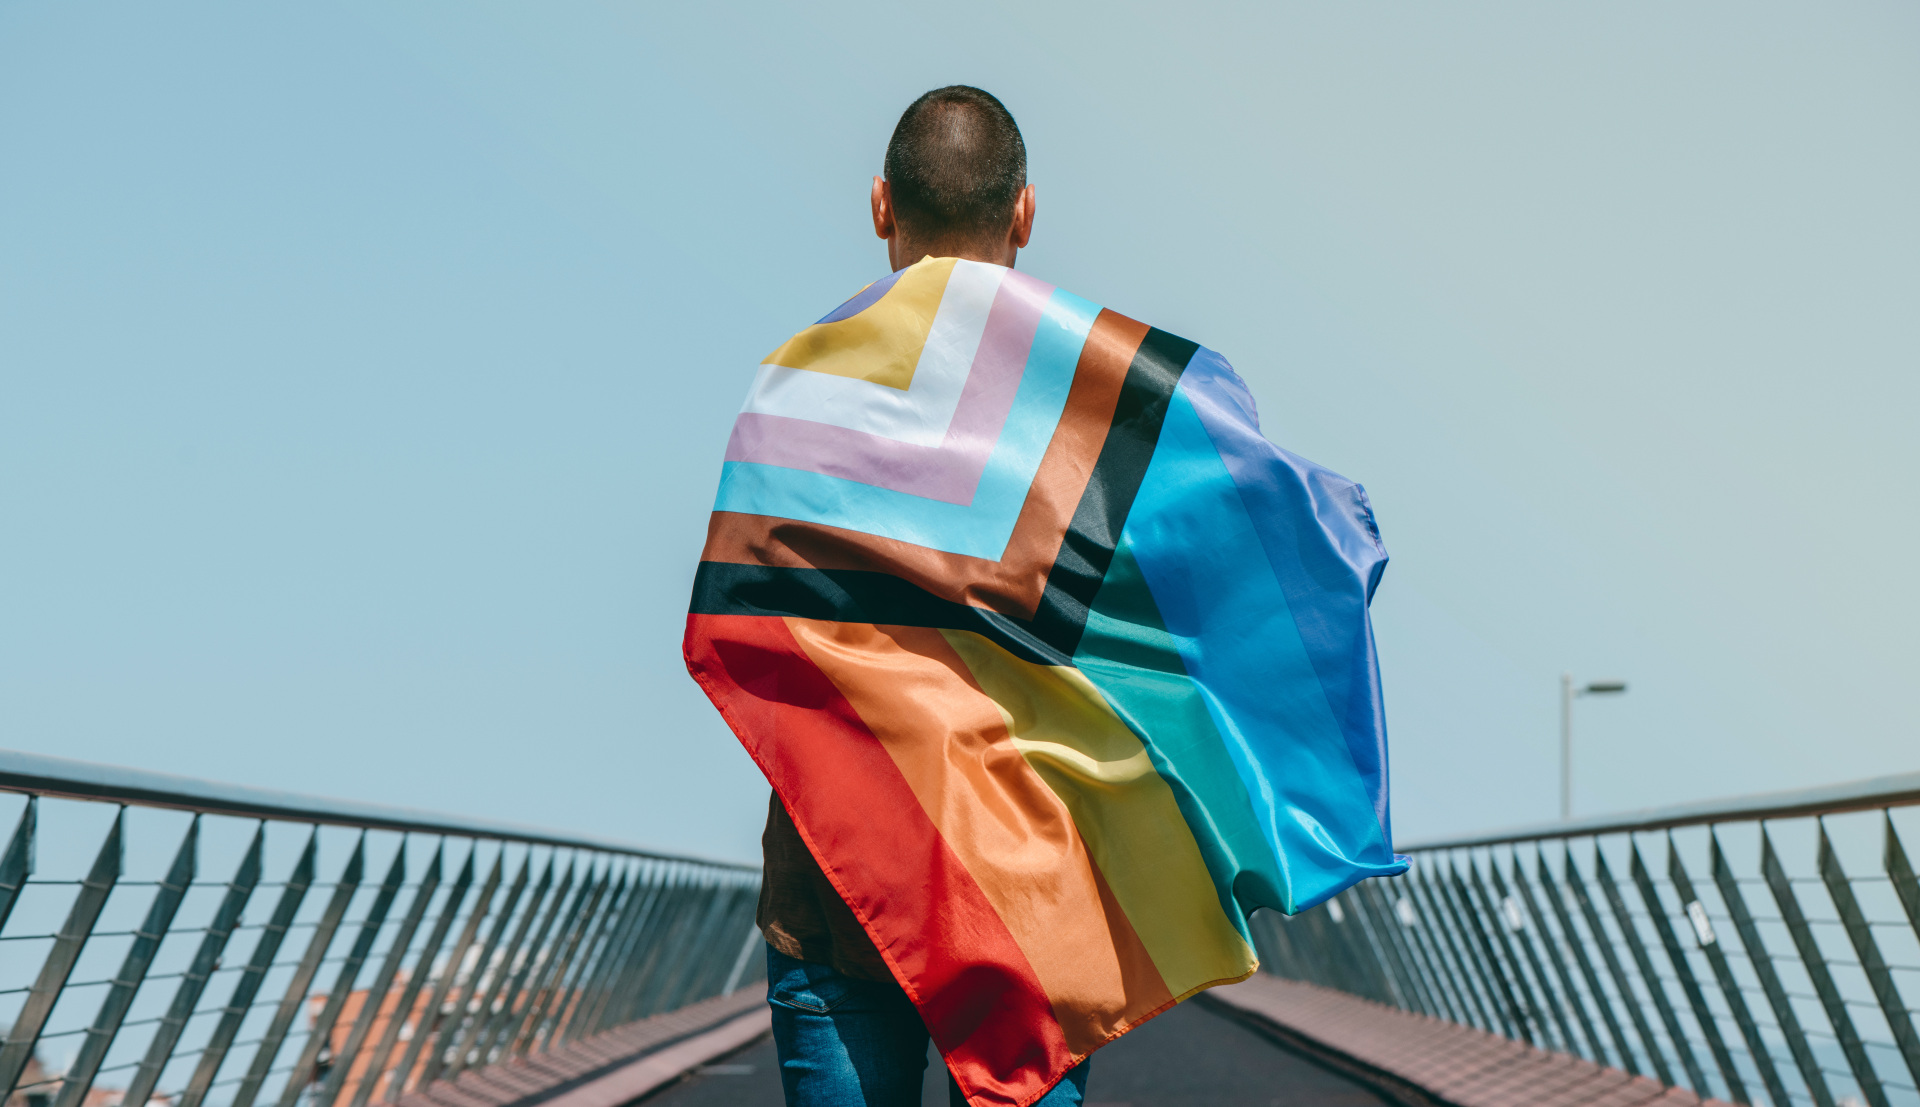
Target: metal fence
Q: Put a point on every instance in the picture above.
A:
(190, 944)
(1760, 950)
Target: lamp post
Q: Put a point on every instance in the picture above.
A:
(1568, 693)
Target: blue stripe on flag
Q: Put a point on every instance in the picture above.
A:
(1239, 629)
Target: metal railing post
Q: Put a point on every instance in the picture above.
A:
(699, 920)
(1277, 947)
(1689, 984)
(296, 993)
(497, 965)
(1815, 963)
(403, 1011)
(1723, 973)
(73, 935)
(1591, 915)
(1330, 968)
(1576, 945)
(320, 1036)
(534, 957)
(133, 971)
(1656, 989)
(585, 965)
(1518, 924)
(1761, 961)
(637, 995)
(1879, 978)
(1565, 977)
(621, 955)
(720, 960)
(462, 1024)
(375, 997)
(706, 960)
(248, 985)
(1479, 957)
(1894, 859)
(167, 1035)
(1440, 982)
(1499, 953)
(17, 863)
(1385, 931)
(546, 983)
(1459, 967)
(1406, 936)
(434, 1021)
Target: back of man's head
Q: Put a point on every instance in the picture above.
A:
(955, 166)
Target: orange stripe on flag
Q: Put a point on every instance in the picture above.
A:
(982, 1002)
(1011, 832)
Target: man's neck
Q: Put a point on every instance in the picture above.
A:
(901, 253)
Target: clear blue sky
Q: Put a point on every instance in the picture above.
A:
(365, 368)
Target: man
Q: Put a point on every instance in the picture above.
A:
(955, 186)
(1059, 668)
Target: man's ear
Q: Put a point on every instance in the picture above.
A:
(883, 209)
(1022, 219)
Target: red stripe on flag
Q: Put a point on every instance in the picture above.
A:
(980, 998)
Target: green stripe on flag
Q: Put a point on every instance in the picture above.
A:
(1127, 653)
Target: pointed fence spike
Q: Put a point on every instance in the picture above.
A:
(1899, 871)
(16, 865)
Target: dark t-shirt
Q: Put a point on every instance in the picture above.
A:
(800, 913)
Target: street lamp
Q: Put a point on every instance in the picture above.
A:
(1568, 693)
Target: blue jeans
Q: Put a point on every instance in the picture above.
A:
(856, 1043)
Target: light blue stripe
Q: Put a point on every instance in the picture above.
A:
(1203, 560)
(979, 529)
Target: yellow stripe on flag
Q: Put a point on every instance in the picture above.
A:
(1123, 809)
(881, 344)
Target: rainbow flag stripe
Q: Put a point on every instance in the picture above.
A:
(1060, 667)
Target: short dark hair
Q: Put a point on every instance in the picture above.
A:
(956, 164)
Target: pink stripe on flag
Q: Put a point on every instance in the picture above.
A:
(949, 472)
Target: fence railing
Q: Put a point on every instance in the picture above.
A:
(191, 944)
(1763, 950)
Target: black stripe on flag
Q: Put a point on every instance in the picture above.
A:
(855, 596)
(1087, 548)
